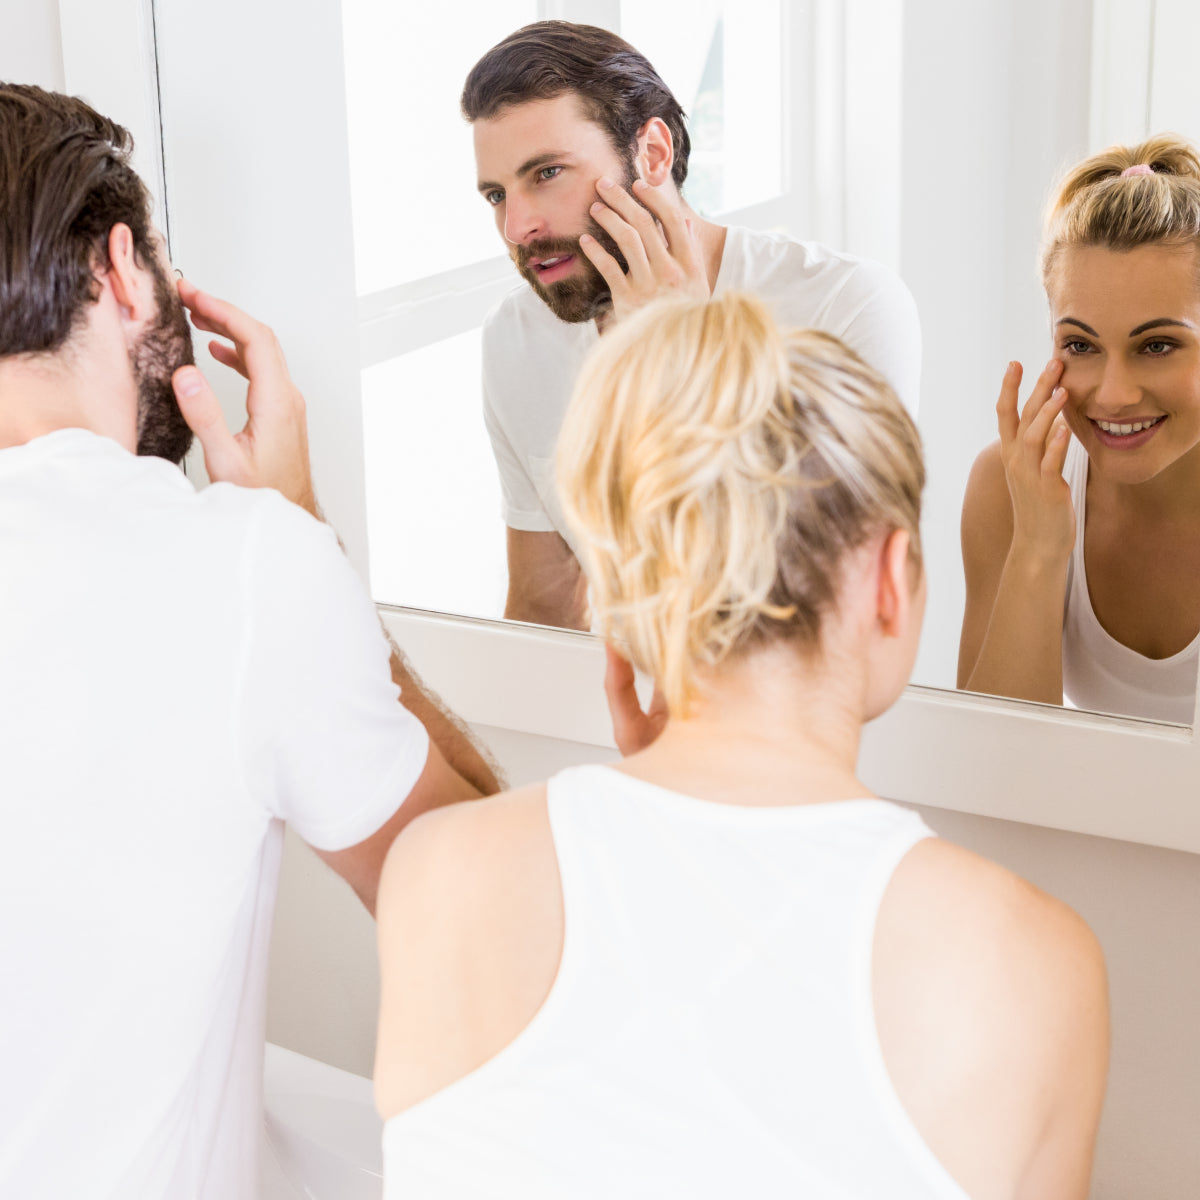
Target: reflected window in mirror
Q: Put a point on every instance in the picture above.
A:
(430, 263)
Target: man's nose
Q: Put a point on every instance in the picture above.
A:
(522, 221)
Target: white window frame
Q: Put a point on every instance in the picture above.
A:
(1107, 776)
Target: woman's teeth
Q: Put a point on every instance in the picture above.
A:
(1125, 430)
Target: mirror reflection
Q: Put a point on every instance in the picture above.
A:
(497, 310)
(1080, 533)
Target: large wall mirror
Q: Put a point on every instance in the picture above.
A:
(316, 170)
(908, 133)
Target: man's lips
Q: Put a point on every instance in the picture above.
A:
(553, 266)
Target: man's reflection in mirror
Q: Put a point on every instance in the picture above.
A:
(1081, 525)
(582, 154)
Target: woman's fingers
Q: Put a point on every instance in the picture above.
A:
(1037, 431)
(1008, 406)
(1043, 389)
(1055, 457)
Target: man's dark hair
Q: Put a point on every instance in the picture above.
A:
(619, 88)
(65, 181)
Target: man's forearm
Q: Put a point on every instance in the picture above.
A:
(451, 737)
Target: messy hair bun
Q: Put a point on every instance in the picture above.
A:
(717, 471)
(1125, 197)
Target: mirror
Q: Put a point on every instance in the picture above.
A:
(893, 133)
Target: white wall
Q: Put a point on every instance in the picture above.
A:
(31, 43)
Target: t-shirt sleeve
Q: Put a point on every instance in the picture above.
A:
(325, 742)
(878, 319)
(520, 503)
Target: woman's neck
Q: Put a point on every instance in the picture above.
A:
(770, 728)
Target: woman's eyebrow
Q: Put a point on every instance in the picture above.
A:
(1076, 321)
(1157, 322)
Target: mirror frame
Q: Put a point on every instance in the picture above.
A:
(1107, 776)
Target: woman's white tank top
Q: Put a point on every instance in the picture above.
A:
(1100, 673)
(710, 1032)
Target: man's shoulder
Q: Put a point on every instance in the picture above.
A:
(764, 259)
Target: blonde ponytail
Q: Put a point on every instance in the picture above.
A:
(717, 471)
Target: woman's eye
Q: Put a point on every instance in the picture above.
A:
(1157, 349)
(1076, 347)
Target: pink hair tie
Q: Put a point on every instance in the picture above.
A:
(1140, 169)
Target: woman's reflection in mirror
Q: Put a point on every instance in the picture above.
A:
(1081, 525)
(721, 967)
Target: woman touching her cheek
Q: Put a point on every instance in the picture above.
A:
(1081, 526)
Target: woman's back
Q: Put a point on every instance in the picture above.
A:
(710, 1028)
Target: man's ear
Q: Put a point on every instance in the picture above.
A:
(655, 152)
(132, 284)
(894, 594)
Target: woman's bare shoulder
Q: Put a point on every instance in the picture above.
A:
(470, 933)
(991, 1004)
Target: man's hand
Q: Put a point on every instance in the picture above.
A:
(633, 729)
(664, 255)
(272, 448)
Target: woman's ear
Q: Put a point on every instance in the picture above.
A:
(655, 152)
(894, 594)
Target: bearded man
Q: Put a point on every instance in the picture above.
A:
(180, 673)
(582, 152)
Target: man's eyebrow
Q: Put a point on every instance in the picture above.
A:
(1157, 323)
(545, 159)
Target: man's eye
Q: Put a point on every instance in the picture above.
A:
(548, 172)
(493, 198)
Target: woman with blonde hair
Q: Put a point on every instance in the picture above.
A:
(1081, 525)
(720, 966)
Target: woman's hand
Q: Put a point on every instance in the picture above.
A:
(633, 728)
(1034, 448)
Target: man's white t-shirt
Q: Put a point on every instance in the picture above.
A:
(531, 358)
(180, 673)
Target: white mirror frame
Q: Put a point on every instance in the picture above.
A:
(240, 149)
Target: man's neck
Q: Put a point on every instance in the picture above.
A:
(40, 394)
(712, 243)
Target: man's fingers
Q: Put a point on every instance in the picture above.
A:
(604, 262)
(665, 206)
(628, 239)
(227, 356)
(202, 411)
(255, 342)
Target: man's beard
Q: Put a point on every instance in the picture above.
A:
(582, 296)
(162, 349)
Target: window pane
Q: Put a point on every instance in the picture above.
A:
(724, 65)
(433, 497)
(412, 166)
